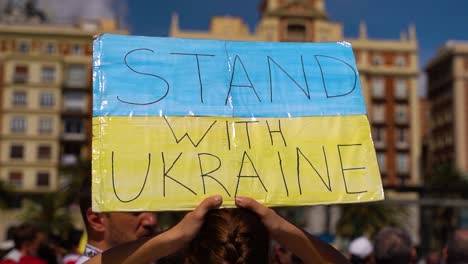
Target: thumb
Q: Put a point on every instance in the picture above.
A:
(209, 203)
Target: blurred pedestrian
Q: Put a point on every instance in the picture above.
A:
(27, 240)
(72, 254)
(392, 246)
(456, 251)
(360, 251)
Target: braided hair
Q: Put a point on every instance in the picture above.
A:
(230, 236)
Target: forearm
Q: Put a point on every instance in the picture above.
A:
(140, 251)
(308, 248)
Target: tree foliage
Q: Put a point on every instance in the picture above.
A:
(368, 219)
(445, 182)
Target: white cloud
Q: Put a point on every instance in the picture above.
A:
(69, 11)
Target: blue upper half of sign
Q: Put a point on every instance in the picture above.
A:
(148, 76)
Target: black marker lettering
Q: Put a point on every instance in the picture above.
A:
(227, 134)
(166, 175)
(187, 135)
(144, 73)
(346, 169)
(240, 85)
(305, 91)
(282, 174)
(198, 68)
(247, 128)
(239, 176)
(323, 76)
(276, 131)
(298, 151)
(142, 186)
(208, 174)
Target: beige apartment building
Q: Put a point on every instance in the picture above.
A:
(389, 74)
(45, 100)
(447, 75)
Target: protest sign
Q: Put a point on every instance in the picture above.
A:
(176, 120)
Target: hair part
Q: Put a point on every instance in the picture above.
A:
(231, 236)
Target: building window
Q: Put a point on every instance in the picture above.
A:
(377, 60)
(77, 49)
(45, 125)
(16, 151)
(76, 75)
(401, 89)
(400, 61)
(74, 101)
(47, 99)
(381, 160)
(402, 138)
(378, 113)
(401, 114)
(18, 124)
(402, 163)
(402, 135)
(19, 98)
(51, 48)
(48, 73)
(379, 136)
(296, 33)
(44, 152)
(42, 179)
(15, 178)
(20, 74)
(378, 88)
(73, 126)
(23, 47)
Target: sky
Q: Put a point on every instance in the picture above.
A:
(436, 21)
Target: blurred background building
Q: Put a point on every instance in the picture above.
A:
(45, 98)
(448, 98)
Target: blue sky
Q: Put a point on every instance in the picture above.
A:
(435, 21)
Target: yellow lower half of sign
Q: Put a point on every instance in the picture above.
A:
(173, 163)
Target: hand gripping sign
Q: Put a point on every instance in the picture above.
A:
(176, 120)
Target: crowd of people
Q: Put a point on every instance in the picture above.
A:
(250, 233)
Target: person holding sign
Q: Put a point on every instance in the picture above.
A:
(194, 232)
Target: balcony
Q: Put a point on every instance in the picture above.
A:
(69, 159)
(380, 144)
(20, 78)
(402, 145)
(74, 106)
(73, 136)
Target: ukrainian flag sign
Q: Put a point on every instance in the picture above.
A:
(176, 120)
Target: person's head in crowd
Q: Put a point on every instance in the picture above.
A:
(106, 230)
(27, 239)
(8, 244)
(393, 245)
(433, 258)
(456, 251)
(230, 236)
(360, 251)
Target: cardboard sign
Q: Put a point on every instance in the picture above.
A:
(176, 120)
